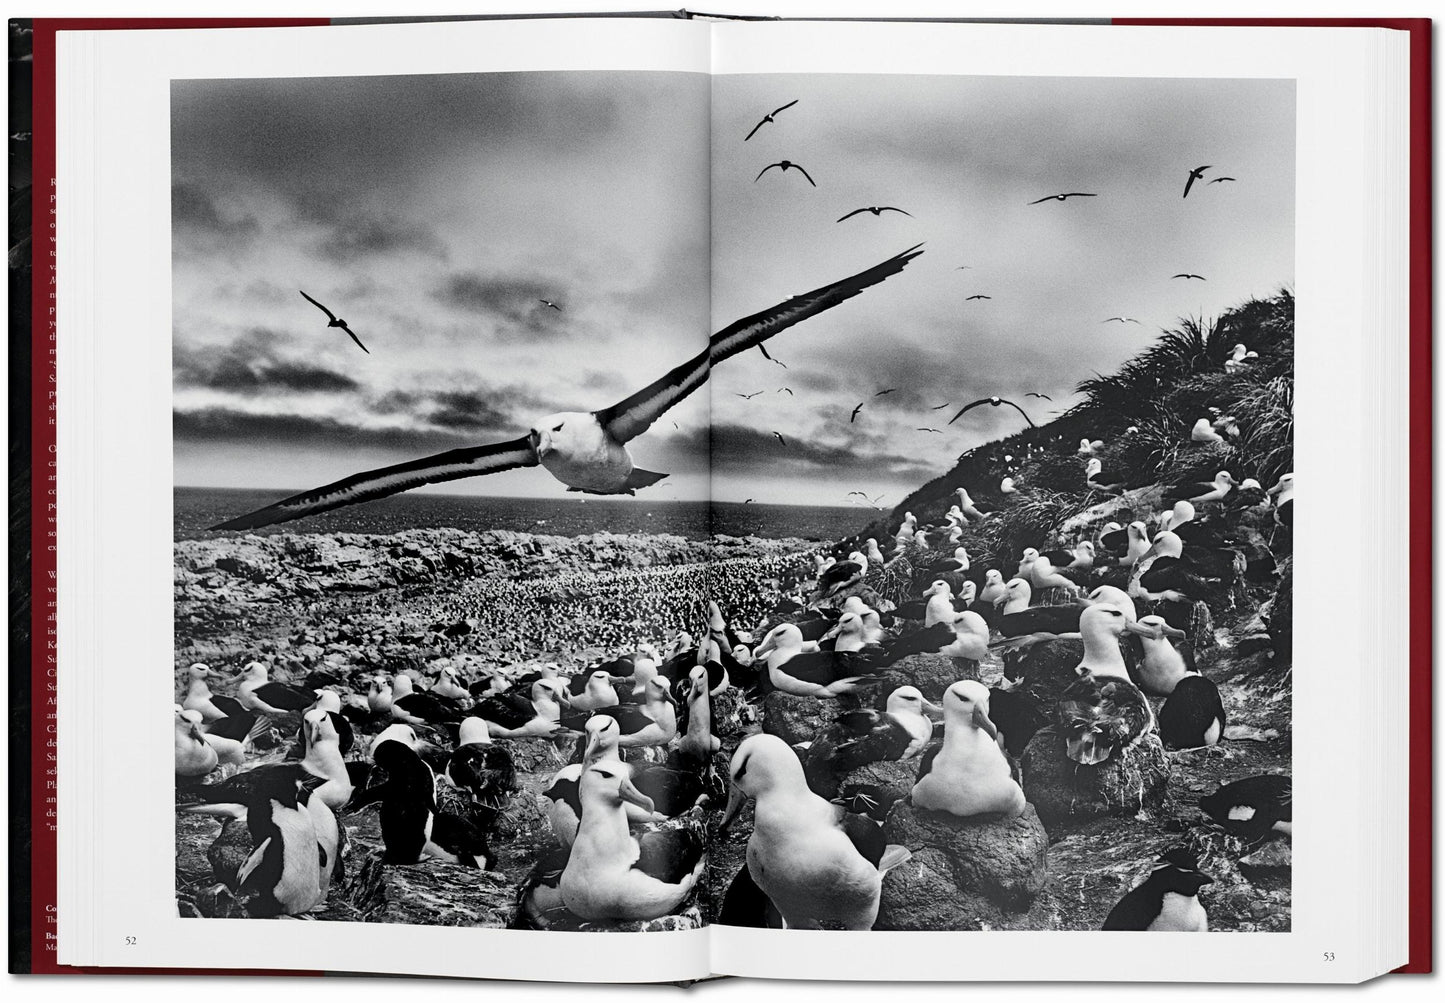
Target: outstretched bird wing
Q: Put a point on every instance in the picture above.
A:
(851, 214)
(967, 408)
(761, 123)
(786, 106)
(356, 339)
(470, 461)
(631, 417)
(766, 170)
(894, 208)
(1022, 412)
(323, 309)
(806, 175)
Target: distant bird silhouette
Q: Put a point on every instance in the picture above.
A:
(995, 401)
(334, 321)
(1194, 176)
(786, 165)
(768, 118)
(1063, 196)
(978, 296)
(549, 303)
(764, 350)
(876, 210)
(1189, 275)
(1121, 320)
(786, 390)
(748, 397)
(780, 439)
(855, 412)
(940, 407)
(888, 391)
(938, 430)
(1215, 181)
(963, 268)
(870, 502)
(1042, 396)
(747, 501)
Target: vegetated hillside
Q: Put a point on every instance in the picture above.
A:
(1160, 394)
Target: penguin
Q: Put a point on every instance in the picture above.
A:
(481, 771)
(1253, 808)
(411, 826)
(819, 866)
(1167, 900)
(612, 874)
(1193, 715)
(968, 774)
(282, 875)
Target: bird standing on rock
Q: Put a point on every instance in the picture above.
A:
(969, 774)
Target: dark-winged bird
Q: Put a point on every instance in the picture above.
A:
(994, 401)
(876, 210)
(769, 117)
(978, 296)
(1121, 320)
(781, 440)
(549, 303)
(1042, 396)
(1194, 176)
(335, 321)
(1062, 196)
(1215, 181)
(786, 166)
(854, 415)
(1189, 275)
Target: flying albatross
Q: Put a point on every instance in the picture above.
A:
(584, 450)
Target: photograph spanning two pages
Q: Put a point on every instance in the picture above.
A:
(856, 502)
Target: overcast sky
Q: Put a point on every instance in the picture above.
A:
(434, 212)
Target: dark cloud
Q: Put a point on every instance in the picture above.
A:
(193, 210)
(739, 451)
(252, 363)
(221, 425)
(515, 302)
(352, 237)
(465, 410)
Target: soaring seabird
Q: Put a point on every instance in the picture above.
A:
(1121, 320)
(1188, 275)
(876, 210)
(549, 304)
(585, 450)
(334, 321)
(995, 402)
(1215, 181)
(978, 296)
(1194, 176)
(785, 165)
(1064, 196)
(769, 117)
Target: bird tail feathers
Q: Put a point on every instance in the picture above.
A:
(893, 855)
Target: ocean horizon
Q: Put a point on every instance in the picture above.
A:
(197, 508)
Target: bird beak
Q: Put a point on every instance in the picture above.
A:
(981, 720)
(767, 646)
(736, 797)
(833, 632)
(1173, 632)
(932, 711)
(1134, 627)
(592, 741)
(535, 438)
(632, 795)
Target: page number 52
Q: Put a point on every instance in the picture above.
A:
(1329, 955)
(130, 942)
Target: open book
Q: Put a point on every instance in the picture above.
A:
(815, 497)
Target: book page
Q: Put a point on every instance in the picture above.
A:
(1082, 391)
(470, 260)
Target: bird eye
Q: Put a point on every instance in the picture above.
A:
(559, 427)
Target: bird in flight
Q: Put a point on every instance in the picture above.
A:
(780, 438)
(870, 502)
(747, 501)
(786, 390)
(876, 210)
(764, 350)
(586, 451)
(334, 321)
(549, 303)
(940, 407)
(994, 401)
(769, 117)
(1189, 275)
(748, 397)
(1215, 181)
(1121, 320)
(1042, 396)
(1194, 176)
(1064, 196)
(938, 430)
(978, 296)
(963, 268)
(786, 166)
(855, 413)
(888, 391)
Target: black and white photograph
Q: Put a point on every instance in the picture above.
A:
(634, 501)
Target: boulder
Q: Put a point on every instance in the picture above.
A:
(432, 893)
(875, 788)
(1062, 790)
(932, 674)
(796, 719)
(1044, 670)
(1001, 859)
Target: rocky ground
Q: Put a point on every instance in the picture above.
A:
(504, 602)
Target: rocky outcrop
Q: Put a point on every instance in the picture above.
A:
(1062, 790)
(796, 719)
(932, 674)
(965, 874)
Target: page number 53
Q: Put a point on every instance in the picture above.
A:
(1329, 955)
